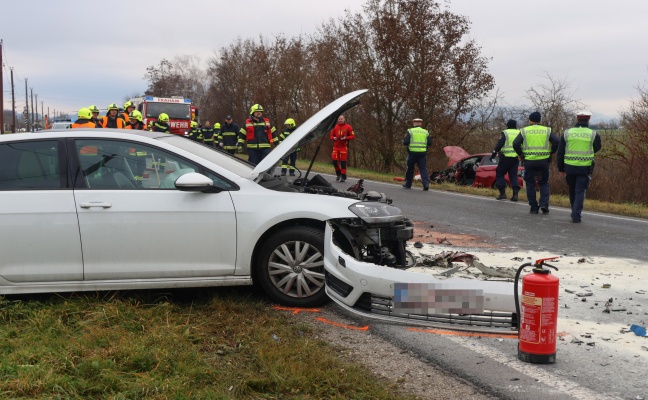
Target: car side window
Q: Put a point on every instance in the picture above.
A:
(113, 164)
(32, 165)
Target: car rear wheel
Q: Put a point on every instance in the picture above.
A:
(291, 268)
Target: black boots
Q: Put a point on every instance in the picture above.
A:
(515, 195)
(343, 179)
(502, 194)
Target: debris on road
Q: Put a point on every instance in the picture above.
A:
(638, 330)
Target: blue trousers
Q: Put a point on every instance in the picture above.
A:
(419, 159)
(507, 165)
(256, 155)
(578, 185)
(541, 174)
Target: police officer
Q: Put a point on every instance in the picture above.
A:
(576, 160)
(508, 161)
(288, 162)
(230, 138)
(207, 132)
(535, 144)
(418, 141)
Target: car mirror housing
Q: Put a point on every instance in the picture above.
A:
(195, 182)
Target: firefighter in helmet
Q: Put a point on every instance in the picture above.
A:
(161, 125)
(194, 132)
(136, 121)
(84, 119)
(111, 119)
(128, 108)
(95, 116)
(259, 135)
(288, 162)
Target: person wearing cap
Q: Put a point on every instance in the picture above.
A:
(576, 160)
(207, 134)
(95, 116)
(418, 141)
(229, 138)
(535, 144)
(341, 134)
(508, 161)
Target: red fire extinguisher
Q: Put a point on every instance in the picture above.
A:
(537, 321)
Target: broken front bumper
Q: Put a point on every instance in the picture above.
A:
(415, 298)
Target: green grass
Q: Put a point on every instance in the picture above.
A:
(626, 209)
(199, 344)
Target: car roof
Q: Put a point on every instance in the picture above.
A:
(63, 133)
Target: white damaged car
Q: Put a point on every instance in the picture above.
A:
(104, 209)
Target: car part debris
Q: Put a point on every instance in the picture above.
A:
(443, 241)
(606, 286)
(638, 330)
(584, 294)
(490, 271)
(418, 245)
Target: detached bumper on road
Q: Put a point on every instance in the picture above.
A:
(415, 298)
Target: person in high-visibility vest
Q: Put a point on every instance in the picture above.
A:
(576, 160)
(95, 116)
(195, 133)
(259, 135)
(418, 141)
(128, 109)
(135, 121)
(289, 163)
(535, 144)
(508, 161)
(84, 119)
(111, 119)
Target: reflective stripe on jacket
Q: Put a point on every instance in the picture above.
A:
(258, 134)
(579, 146)
(418, 139)
(507, 149)
(536, 145)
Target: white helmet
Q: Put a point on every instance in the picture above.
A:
(583, 114)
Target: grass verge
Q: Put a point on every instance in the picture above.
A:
(626, 209)
(195, 344)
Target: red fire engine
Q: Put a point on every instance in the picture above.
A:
(180, 111)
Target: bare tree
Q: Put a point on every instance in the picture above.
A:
(554, 99)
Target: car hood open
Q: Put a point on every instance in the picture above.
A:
(455, 153)
(314, 128)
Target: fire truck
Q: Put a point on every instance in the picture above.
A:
(180, 111)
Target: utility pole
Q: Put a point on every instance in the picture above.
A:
(26, 113)
(13, 104)
(33, 114)
(1, 92)
(42, 116)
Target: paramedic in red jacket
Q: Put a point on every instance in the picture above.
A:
(340, 135)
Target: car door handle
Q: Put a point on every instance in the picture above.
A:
(96, 204)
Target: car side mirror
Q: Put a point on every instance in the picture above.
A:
(195, 182)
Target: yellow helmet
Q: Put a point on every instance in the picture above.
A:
(128, 104)
(217, 125)
(84, 113)
(255, 108)
(113, 106)
(290, 122)
(164, 117)
(93, 109)
(136, 115)
(194, 124)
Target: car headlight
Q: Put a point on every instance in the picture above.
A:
(376, 213)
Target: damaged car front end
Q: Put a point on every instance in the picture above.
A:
(367, 273)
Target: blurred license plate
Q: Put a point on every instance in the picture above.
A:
(434, 298)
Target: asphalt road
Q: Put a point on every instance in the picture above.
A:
(490, 363)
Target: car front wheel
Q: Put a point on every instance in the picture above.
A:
(291, 269)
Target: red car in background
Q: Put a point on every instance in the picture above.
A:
(471, 169)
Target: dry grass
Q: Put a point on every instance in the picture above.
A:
(198, 344)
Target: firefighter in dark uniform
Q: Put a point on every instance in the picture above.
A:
(259, 135)
(208, 136)
(161, 125)
(230, 138)
(576, 160)
(535, 144)
(195, 133)
(418, 141)
(508, 161)
(95, 116)
(84, 120)
(288, 162)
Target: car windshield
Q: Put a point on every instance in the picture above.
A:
(173, 110)
(231, 163)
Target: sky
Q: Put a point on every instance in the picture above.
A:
(76, 53)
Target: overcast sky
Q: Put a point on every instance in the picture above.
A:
(77, 53)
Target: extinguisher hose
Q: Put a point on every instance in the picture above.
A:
(515, 292)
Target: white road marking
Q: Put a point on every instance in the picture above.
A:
(533, 371)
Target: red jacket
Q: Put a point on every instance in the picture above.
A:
(341, 134)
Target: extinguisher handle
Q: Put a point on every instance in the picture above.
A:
(550, 266)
